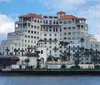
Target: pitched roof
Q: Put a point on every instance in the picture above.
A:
(15, 58)
(68, 17)
(61, 12)
(31, 15)
(82, 19)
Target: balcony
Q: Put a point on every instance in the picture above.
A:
(51, 25)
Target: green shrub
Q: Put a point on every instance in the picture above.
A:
(63, 66)
(97, 67)
(75, 67)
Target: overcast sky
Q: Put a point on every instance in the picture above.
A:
(11, 9)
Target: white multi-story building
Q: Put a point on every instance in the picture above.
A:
(46, 32)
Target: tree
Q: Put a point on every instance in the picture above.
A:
(63, 66)
(22, 51)
(82, 41)
(38, 64)
(1, 53)
(16, 51)
(7, 50)
(50, 58)
(27, 61)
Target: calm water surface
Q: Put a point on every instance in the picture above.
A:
(39, 80)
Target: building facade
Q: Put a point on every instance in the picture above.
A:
(46, 33)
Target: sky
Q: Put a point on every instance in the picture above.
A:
(11, 9)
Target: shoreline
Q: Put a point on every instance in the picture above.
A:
(52, 73)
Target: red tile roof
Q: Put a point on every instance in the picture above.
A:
(61, 12)
(82, 19)
(70, 17)
(15, 58)
(31, 15)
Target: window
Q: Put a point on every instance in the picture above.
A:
(69, 38)
(50, 29)
(38, 27)
(37, 21)
(31, 26)
(31, 31)
(55, 17)
(54, 29)
(55, 34)
(64, 38)
(60, 22)
(34, 26)
(28, 31)
(25, 35)
(31, 36)
(50, 34)
(34, 32)
(69, 33)
(45, 16)
(73, 38)
(37, 32)
(37, 37)
(69, 22)
(46, 21)
(47, 29)
(40, 21)
(65, 28)
(55, 39)
(15, 44)
(69, 28)
(51, 17)
(50, 39)
(28, 40)
(73, 27)
(41, 51)
(65, 22)
(50, 22)
(31, 41)
(45, 35)
(45, 39)
(64, 33)
(56, 22)
(60, 29)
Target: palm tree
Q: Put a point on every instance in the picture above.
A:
(50, 58)
(55, 49)
(27, 61)
(82, 41)
(38, 64)
(7, 50)
(1, 53)
(16, 51)
(77, 57)
(22, 51)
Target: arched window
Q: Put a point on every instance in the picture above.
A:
(50, 22)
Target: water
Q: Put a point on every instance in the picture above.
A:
(39, 80)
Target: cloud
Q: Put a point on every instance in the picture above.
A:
(6, 24)
(97, 37)
(5, 0)
(63, 4)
